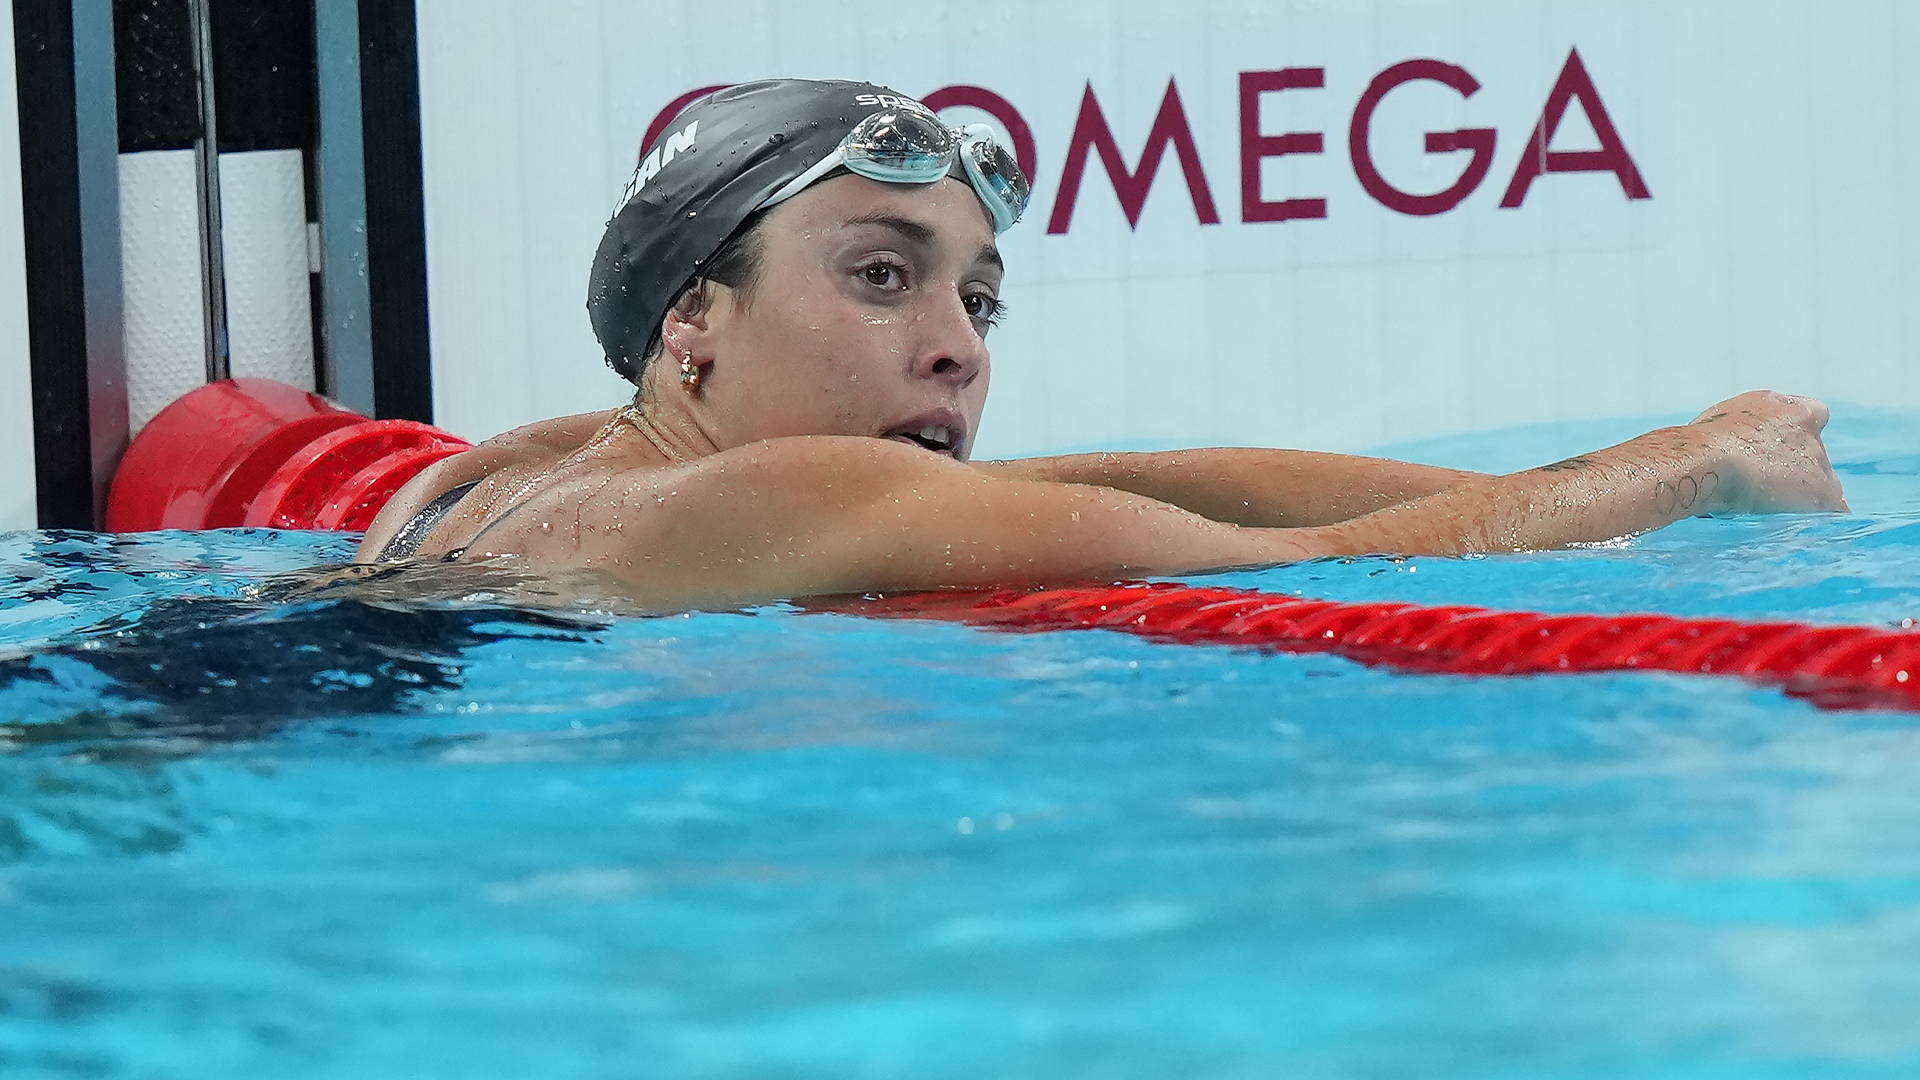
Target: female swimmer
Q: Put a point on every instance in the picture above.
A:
(800, 283)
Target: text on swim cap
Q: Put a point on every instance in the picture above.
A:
(658, 158)
(888, 101)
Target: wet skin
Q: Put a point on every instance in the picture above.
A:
(827, 451)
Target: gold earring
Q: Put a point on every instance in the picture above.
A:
(690, 376)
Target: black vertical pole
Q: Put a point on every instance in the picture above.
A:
(206, 168)
(56, 302)
(396, 216)
(72, 258)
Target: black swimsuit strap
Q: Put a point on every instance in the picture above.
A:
(407, 541)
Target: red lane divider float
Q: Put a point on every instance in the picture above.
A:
(257, 453)
(1834, 666)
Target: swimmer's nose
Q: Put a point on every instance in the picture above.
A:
(952, 350)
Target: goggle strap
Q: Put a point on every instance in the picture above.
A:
(800, 183)
(985, 193)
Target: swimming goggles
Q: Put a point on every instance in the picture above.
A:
(906, 144)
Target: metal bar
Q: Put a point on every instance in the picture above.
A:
(346, 325)
(206, 156)
(69, 201)
(97, 139)
(396, 210)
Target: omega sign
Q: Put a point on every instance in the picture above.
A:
(1093, 138)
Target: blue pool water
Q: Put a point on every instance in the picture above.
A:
(247, 837)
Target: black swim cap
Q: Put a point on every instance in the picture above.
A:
(706, 173)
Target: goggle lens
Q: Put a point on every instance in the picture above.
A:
(909, 145)
(900, 146)
(996, 176)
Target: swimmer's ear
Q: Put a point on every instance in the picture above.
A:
(693, 303)
(686, 331)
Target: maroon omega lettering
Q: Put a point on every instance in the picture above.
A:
(1256, 147)
(1574, 82)
(1091, 133)
(1092, 136)
(1478, 140)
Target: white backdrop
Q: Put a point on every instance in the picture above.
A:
(1773, 141)
(263, 235)
(17, 507)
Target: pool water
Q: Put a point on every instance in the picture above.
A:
(244, 834)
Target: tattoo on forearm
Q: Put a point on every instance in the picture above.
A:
(1685, 493)
(1569, 464)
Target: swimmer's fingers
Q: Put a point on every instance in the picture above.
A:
(1751, 406)
(1809, 414)
(1831, 497)
(1774, 448)
(1820, 414)
(1758, 407)
(1825, 494)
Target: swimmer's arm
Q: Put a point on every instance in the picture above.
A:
(548, 438)
(1262, 488)
(830, 515)
(1759, 452)
(827, 515)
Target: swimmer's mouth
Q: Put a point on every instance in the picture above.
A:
(941, 438)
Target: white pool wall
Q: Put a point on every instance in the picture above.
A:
(264, 242)
(1776, 138)
(17, 499)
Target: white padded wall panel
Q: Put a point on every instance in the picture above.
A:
(17, 509)
(513, 218)
(263, 214)
(160, 273)
(269, 302)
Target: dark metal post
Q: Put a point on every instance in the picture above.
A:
(206, 156)
(97, 132)
(70, 197)
(346, 323)
(396, 211)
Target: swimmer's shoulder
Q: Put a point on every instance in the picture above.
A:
(592, 514)
(606, 507)
(530, 446)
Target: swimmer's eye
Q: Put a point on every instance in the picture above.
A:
(884, 275)
(985, 310)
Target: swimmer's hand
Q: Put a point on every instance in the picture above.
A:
(1769, 454)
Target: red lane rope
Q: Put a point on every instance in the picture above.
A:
(1851, 667)
(255, 452)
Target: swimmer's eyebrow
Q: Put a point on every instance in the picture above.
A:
(913, 231)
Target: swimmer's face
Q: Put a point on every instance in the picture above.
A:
(869, 317)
